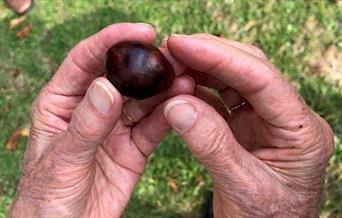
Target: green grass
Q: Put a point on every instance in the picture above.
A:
(280, 29)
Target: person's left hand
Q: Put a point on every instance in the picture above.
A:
(84, 156)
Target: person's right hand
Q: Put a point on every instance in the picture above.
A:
(84, 156)
(267, 158)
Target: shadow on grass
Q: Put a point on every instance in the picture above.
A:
(141, 208)
(61, 38)
(154, 197)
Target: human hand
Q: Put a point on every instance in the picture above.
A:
(267, 158)
(84, 156)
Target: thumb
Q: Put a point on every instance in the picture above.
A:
(207, 135)
(94, 118)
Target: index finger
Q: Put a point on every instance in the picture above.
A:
(85, 61)
(271, 96)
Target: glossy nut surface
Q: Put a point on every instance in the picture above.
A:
(138, 70)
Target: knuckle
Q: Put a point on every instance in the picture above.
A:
(85, 131)
(213, 145)
(80, 134)
(40, 104)
(76, 49)
(259, 52)
(79, 130)
(323, 138)
(85, 48)
(93, 52)
(329, 139)
(80, 45)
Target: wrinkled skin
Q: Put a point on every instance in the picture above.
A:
(81, 161)
(266, 158)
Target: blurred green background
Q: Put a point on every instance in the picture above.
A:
(302, 38)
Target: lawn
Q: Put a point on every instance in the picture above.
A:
(302, 38)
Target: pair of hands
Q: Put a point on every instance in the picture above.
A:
(84, 156)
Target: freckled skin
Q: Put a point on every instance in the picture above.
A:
(138, 70)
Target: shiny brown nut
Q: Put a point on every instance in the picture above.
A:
(138, 70)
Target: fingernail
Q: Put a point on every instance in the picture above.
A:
(192, 80)
(180, 114)
(164, 40)
(146, 24)
(101, 97)
(179, 35)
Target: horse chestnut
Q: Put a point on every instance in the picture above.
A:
(138, 70)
